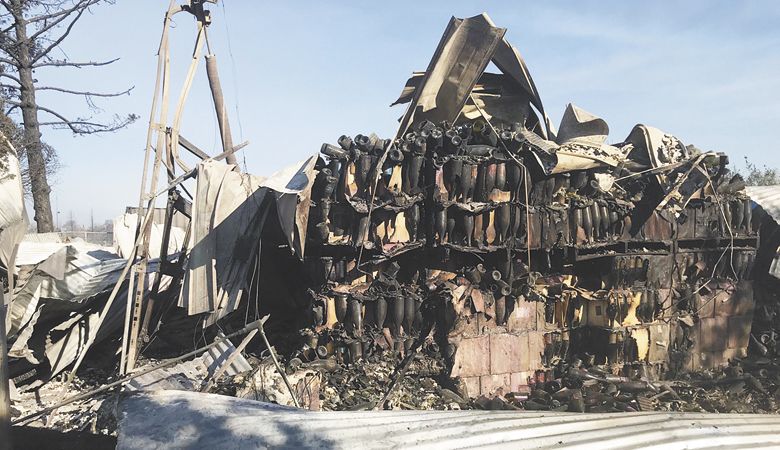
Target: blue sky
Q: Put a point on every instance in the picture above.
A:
(296, 74)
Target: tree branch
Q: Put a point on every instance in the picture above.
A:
(64, 63)
(60, 17)
(80, 125)
(85, 127)
(7, 30)
(66, 12)
(42, 108)
(7, 62)
(10, 9)
(91, 94)
(10, 77)
(57, 41)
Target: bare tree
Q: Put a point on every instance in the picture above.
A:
(32, 30)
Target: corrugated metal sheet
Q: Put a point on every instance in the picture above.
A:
(13, 216)
(166, 419)
(768, 197)
(33, 251)
(228, 205)
(188, 375)
(53, 311)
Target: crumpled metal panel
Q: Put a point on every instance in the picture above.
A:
(192, 420)
(124, 236)
(61, 292)
(767, 197)
(508, 59)
(188, 375)
(228, 215)
(462, 55)
(88, 274)
(13, 215)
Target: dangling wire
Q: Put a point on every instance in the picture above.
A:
(235, 83)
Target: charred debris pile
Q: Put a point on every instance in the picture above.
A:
(522, 252)
(479, 258)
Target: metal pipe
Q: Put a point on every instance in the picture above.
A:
(219, 105)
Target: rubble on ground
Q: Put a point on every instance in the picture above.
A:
(96, 415)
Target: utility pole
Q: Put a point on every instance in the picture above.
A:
(92, 220)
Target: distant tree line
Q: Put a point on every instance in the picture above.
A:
(759, 176)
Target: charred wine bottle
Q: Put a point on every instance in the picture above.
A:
(468, 227)
(412, 218)
(467, 180)
(440, 223)
(397, 315)
(409, 310)
(490, 179)
(595, 217)
(587, 225)
(452, 174)
(502, 223)
(340, 300)
(500, 180)
(356, 316)
(737, 215)
(380, 311)
(501, 310)
(478, 234)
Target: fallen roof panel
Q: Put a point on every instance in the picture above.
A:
(190, 420)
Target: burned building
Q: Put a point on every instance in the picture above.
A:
(514, 253)
(521, 246)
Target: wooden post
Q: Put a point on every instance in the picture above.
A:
(5, 389)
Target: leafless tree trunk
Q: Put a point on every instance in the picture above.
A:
(33, 28)
(32, 134)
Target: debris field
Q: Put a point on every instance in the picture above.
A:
(480, 258)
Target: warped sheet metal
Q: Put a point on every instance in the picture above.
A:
(767, 197)
(580, 144)
(508, 59)
(225, 224)
(124, 236)
(292, 189)
(70, 277)
(56, 310)
(228, 215)
(188, 375)
(494, 95)
(33, 251)
(580, 126)
(498, 98)
(457, 71)
(13, 215)
(460, 59)
(654, 148)
(192, 420)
